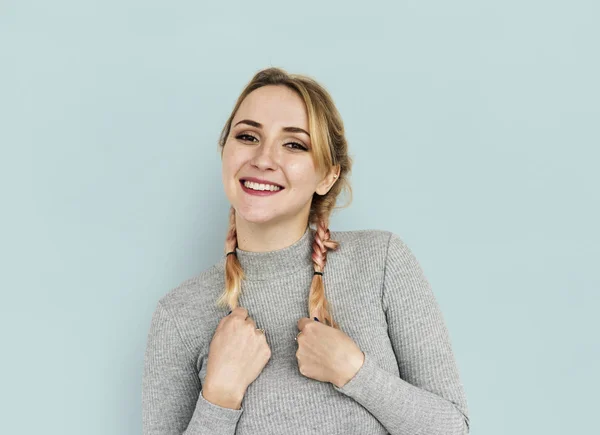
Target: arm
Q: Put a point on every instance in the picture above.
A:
(428, 397)
(172, 400)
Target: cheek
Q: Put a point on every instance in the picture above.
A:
(302, 177)
(230, 161)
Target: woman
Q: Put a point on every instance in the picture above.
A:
(371, 355)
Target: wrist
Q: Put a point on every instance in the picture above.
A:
(354, 365)
(226, 398)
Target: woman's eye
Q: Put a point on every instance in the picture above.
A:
(298, 146)
(245, 137)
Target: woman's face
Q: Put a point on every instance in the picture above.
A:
(269, 140)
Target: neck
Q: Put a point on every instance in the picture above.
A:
(275, 264)
(254, 237)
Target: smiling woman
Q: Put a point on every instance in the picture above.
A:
(269, 143)
(378, 360)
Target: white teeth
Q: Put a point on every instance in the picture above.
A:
(259, 186)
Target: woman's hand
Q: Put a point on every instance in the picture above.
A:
(327, 354)
(238, 352)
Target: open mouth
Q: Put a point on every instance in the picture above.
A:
(242, 180)
(259, 188)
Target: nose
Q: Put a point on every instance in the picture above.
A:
(265, 156)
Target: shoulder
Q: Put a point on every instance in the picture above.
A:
(374, 242)
(365, 248)
(190, 308)
(200, 290)
(368, 239)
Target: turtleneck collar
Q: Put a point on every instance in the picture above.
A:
(281, 262)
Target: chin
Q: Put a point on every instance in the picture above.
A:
(257, 216)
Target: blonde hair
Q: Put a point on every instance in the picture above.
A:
(329, 148)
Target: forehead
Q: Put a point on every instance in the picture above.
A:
(274, 106)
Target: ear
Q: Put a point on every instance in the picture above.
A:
(330, 178)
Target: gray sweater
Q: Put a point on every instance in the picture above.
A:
(409, 382)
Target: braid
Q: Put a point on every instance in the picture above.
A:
(234, 274)
(317, 302)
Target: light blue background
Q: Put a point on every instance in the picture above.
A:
(475, 131)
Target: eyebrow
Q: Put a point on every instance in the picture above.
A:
(259, 125)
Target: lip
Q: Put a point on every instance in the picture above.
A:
(258, 192)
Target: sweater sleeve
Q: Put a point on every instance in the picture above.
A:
(428, 397)
(172, 401)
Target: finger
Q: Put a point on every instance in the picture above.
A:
(302, 322)
(240, 311)
(251, 321)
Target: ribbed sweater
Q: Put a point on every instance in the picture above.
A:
(379, 296)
